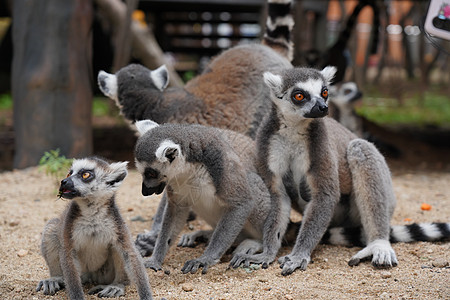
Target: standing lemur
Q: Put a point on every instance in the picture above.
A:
(90, 242)
(228, 94)
(210, 171)
(325, 172)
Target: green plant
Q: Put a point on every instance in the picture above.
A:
(54, 164)
(6, 102)
(100, 107)
(433, 109)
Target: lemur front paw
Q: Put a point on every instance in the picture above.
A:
(191, 266)
(189, 239)
(290, 263)
(383, 256)
(108, 291)
(51, 285)
(152, 264)
(246, 259)
(145, 242)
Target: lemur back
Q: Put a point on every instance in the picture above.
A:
(90, 242)
(228, 94)
(211, 171)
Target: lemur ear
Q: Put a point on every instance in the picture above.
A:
(160, 77)
(274, 82)
(168, 151)
(107, 84)
(145, 125)
(328, 73)
(118, 173)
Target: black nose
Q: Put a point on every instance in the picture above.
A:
(323, 108)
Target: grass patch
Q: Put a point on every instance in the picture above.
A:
(100, 107)
(6, 102)
(434, 110)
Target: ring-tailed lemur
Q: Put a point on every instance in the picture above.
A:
(90, 242)
(210, 171)
(325, 172)
(228, 94)
(342, 106)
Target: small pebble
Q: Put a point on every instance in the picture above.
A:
(187, 287)
(167, 272)
(130, 209)
(263, 279)
(22, 253)
(440, 263)
(288, 297)
(14, 223)
(385, 274)
(138, 218)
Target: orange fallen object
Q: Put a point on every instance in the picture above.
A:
(425, 206)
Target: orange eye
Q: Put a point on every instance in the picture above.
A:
(68, 175)
(86, 175)
(325, 93)
(299, 96)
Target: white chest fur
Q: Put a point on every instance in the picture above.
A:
(196, 190)
(92, 236)
(288, 152)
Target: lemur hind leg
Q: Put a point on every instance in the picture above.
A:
(375, 200)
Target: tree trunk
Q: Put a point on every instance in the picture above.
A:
(51, 78)
(143, 44)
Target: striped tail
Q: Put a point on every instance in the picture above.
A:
(279, 26)
(335, 55)
(353, 236)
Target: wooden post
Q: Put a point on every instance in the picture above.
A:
(51, 78)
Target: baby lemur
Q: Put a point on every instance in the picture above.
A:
(324, 171)
(90, 242)
(210, 171)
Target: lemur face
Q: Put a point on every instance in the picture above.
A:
(345, 94)
(158, 162)
(92, 178)
(301, 92)
(159, 167)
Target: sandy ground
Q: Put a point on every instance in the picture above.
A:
(28, 201)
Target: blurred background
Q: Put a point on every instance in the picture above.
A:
(47, 45)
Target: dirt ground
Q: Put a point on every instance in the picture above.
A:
(28, 200)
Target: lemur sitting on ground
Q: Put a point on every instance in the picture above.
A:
(314, 164)
(90, 242)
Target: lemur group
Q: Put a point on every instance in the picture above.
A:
(240, 145)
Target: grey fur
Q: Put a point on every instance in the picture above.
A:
(90, 242)
(325, 161)
(228, 94)
(212, 172)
